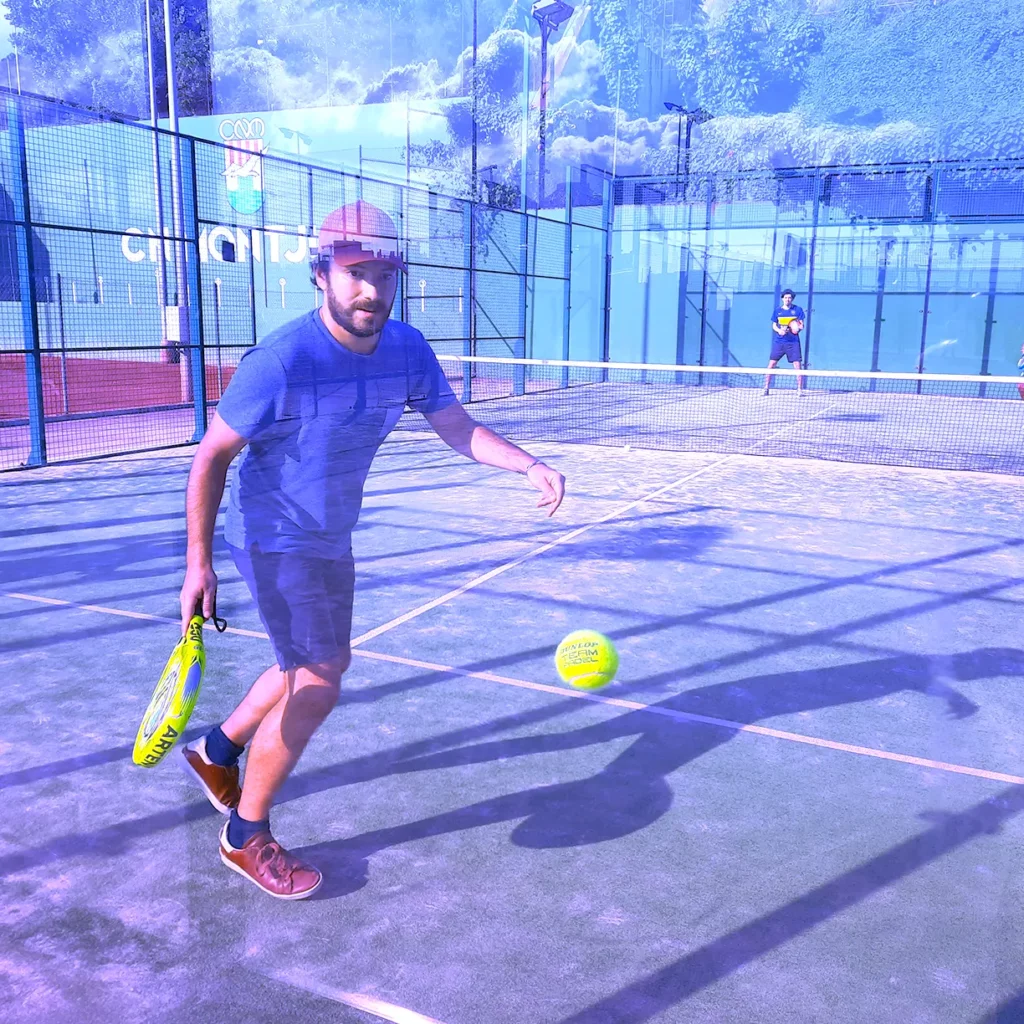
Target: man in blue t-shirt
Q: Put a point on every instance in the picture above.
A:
(787, 323)
(311, 404)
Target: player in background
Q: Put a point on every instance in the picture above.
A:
(787, 323)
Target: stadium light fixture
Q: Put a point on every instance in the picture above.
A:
(698, 115)
(550, 15)
(301, 138)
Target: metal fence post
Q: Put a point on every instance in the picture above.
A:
(884, 246)
(567, 270)
(468, 338)
(711, 184)
(990, 310)
(929, 217)
(608, 227)
(27, 288)
(812, 258)
(523, 268)
(194, 289)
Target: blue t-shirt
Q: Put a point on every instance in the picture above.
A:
(783, 316)
(314, 414)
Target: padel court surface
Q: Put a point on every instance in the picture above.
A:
(801, 801)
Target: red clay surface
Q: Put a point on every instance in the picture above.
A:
(101, 385)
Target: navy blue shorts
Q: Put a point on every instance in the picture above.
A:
(305, 603)
(790, 348)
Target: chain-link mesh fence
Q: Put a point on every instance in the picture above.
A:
(136, 267)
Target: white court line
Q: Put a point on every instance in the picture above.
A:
(724, 723)
(596, 698)
(532, 553)
(579, 531)
(144, 616)
(370, 1004)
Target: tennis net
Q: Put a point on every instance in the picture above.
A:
(934, 421)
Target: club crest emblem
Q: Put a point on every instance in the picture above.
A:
(243, 162)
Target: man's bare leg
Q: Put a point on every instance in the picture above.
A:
(263, 695)
(800, 381)
(772, 363)
(310, 693)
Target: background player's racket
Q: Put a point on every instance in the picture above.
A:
(176, 693)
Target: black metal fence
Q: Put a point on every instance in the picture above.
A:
(137, 266)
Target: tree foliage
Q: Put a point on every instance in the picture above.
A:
(88, 51)
(953, 68)
(94, 52)
(750, 58)
(787, 80)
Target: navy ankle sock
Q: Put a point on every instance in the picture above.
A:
(220, 750)
(241, 830)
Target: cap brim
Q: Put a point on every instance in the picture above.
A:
(349, 252)
(352, 259)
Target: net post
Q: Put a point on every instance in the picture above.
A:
(27, 286)
(193, 287)
(567, 270)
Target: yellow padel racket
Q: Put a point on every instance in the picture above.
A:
(175, 695)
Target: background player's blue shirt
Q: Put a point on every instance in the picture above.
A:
(314, 414)
(782, 316)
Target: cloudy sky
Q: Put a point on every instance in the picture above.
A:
(5, 32)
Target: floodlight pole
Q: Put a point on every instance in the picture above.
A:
(698, 116)
(473, 104)
(550, 17)
(545, 33)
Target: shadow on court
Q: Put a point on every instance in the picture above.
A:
(649, 996)
(632, 791)
(1010, 1012)
(626, 796)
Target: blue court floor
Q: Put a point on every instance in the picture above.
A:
(801, 801)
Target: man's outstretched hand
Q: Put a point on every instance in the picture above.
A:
(551, 485)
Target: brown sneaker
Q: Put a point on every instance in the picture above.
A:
(218, 783)
(276, 871)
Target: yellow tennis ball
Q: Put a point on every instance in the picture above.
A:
(586, 659)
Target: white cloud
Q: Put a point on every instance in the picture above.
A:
(6, 46)
(582, 76)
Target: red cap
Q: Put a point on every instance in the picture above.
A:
(358, 233)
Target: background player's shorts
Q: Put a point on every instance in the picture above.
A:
(788, 347)
(305, 603)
